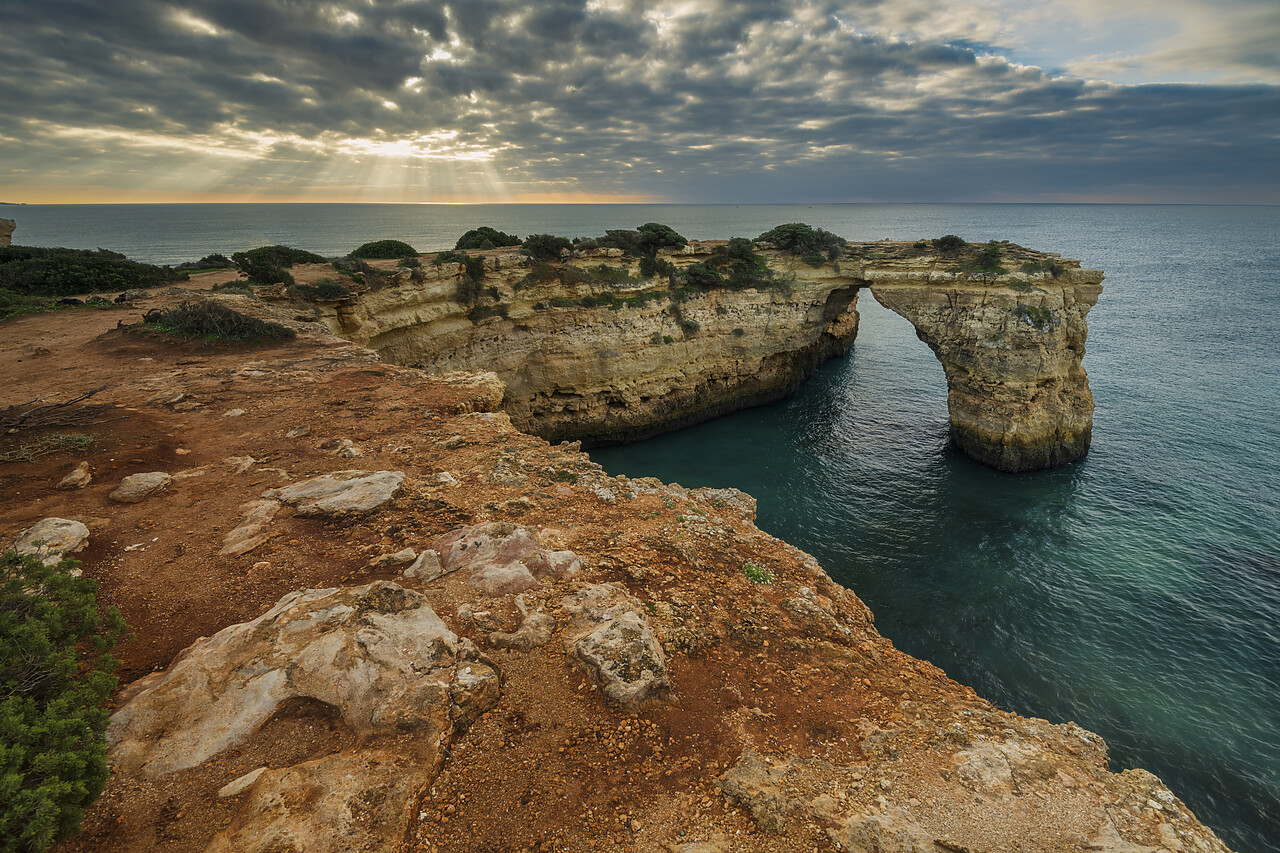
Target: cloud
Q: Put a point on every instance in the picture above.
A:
(707, 101)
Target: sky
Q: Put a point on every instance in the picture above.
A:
(795, 101)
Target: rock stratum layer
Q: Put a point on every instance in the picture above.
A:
(438, 633)
(589, 350)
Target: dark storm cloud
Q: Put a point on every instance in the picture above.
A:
(741, 101)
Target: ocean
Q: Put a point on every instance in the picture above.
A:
(1136, 592)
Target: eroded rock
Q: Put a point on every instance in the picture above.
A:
(377, 653)
(341, 493)
(501, 558)
(78, 478)
(610, 638)
(139, 487)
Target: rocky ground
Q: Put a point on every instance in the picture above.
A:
(503, 649)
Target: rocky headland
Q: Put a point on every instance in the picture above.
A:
(590, 349)
(374, 614)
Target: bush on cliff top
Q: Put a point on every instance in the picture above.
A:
(387, 250)
(267, 264)
(484, 237)
(812, 245)
(56, 672)
(734, 266)
(545, 247)
(213, 321)
(34, 271)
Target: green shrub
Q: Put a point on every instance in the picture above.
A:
(734, 266)
(484, 237)
(757, 574)
(239, 288)
(267, 264)
(323, 290)
(651, 267)
(474, 266)
(213, 321)
(388, 250)
(56, 672)
(1037, 316)
(812, 245)
(949, 243)
(58, 442)
(545, 247)
(215, 261)
(32, 271)
(481, 312)
(1050, 265)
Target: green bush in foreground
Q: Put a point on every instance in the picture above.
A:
(56, 672)
(213, 321)
(545, 247)
(387, 250)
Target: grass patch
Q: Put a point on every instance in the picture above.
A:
(757, 574)
(57, 442)
(565, 477)
(212, 321)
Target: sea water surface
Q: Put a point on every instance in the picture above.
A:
(1136, 592)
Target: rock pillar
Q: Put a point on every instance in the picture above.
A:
(7, 227)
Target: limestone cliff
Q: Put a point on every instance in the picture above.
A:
(591, 350)
(7, 227)
(605, 361)
(437, 633)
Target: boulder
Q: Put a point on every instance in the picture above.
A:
(378, 654)
(51, 539)
(138, 487)
(610, 638)
(341, 493)
(79, 477)
(501, 558)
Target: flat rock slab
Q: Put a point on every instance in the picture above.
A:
(51, 539)
(378, 654)
(502, 558)
(137, 487)
(340, 493)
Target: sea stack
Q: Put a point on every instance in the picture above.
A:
(7, 227)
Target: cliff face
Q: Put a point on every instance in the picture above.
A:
(644, 363)
(7, 227)
(592, 351)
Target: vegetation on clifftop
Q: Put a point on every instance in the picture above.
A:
(33, 271)
(56, 672)
(383, 250)
(812, 245)
(213, 321)
(268, 264)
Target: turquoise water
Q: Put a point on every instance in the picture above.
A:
(1136, 592)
